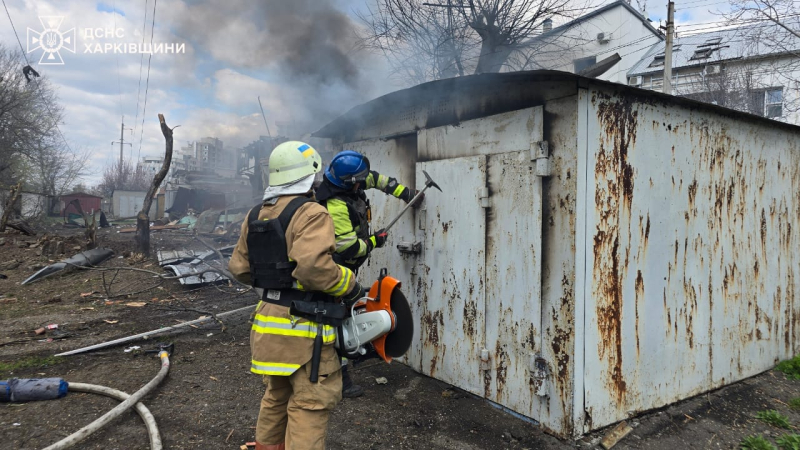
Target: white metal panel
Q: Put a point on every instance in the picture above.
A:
(395, 158)
(513, 283)
(453, 270)
(581, 284)
(693, 262)
(500, 133)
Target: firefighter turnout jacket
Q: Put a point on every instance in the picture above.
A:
(350, 213)
(279, 343)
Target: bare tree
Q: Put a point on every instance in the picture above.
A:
(142, 219)
(123, 177)
(54, 169)
(32, 148)
(771, 37)
(29, 112)
(427, 40)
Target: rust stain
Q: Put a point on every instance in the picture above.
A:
(501, 368)
(470, 316)
(639, 297)
(692, 193)
(614, 196)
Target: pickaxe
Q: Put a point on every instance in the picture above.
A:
(428, 183)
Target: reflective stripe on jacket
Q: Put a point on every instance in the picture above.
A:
(280, 343)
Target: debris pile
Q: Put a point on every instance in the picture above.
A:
(193, 268)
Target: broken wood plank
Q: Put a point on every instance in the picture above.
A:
(156, 228)
(615, 435)
(22, 227)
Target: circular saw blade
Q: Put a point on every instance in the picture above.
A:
(399, 340)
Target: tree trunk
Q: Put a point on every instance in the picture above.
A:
(143, 218)
(91, 225)
(15, 190)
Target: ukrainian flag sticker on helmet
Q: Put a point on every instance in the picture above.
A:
(306, 150)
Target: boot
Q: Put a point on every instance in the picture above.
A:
(350, 390)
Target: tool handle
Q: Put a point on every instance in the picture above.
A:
(405, 208)
(315, 357)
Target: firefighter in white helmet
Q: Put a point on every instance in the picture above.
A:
(285, 249)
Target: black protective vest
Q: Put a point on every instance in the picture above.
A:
(357, 207)
(270, 267)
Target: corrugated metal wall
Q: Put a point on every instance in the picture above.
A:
(692, 264)
(477, 286)
(666, 246)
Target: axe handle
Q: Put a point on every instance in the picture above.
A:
(398, 216)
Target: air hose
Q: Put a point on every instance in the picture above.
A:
(144, 413)
(128, 402)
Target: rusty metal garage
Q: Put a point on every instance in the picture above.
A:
(598, 250)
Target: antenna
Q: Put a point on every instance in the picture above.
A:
(265, 117)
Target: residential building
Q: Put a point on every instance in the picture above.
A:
(740, 68)
(592, 41)
(152, 164)
(208, 155)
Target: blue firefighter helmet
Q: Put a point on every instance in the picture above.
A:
(347, 168)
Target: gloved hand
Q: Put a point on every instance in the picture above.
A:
(378, 239)
(354, 295)
(408, 194)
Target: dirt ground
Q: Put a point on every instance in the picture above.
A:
(210, 400)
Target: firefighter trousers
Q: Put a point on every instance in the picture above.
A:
(294, 411)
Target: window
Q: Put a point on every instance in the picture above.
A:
(711, 42)
(583, 63)
(703, 53)
(766, 103)
(658, 61)
(773, 103)
(675, 48)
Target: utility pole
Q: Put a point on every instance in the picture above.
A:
(122, 143)
(668, 48)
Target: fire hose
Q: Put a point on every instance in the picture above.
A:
(128, 402)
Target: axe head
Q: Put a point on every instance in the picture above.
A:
(429, 181)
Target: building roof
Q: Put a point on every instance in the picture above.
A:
(559, 30)
(454, 100)
(80, 194)
(721, 45)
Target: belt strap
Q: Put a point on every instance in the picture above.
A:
(285, 297)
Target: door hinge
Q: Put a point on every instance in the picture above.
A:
(485, 361)
(483, 195)
(538, 369)
(540, 153)
(412, 248)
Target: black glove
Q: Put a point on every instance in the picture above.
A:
(408, 194)
(378, 239)
(354, 295)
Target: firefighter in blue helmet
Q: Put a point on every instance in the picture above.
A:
(342, 192)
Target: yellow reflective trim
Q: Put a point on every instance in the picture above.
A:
(398, 190)
(284, 327)
(341, 287)
(362, 248)
(273, 368)
(383, 181)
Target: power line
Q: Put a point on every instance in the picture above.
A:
(141, 64)
(25, 57)
(119, 83)
(15, 33)
(147, 85)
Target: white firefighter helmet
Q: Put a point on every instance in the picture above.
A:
(292, 161)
